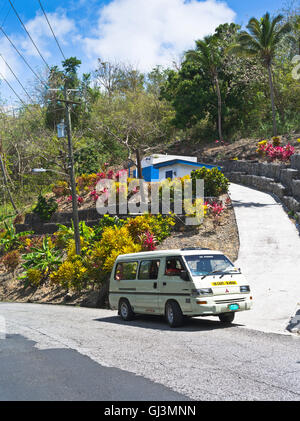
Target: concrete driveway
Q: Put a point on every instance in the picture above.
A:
(269, 257)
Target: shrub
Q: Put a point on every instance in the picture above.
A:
(34, 277)
(197, 209)
(45, 207)
(65, 234)
(61, 189)
(115, 241)
(161, 226)
(9, 239)
(281, 153)
(148, 241)
(138, 226)
(44, 258)
(107, 221)
(276, 140)
(158, 225)
(215, 182)
(11, 260)
(70, 275)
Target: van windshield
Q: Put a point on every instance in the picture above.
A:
(200, 265)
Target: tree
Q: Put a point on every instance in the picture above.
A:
(207, 54)
(262, 41)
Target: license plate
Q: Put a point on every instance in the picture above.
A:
(233, 307)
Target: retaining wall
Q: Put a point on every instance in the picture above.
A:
(279, 179)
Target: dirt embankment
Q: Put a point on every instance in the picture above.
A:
(241, 149)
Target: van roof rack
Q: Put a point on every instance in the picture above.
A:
(195, 248)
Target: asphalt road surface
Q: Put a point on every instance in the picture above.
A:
(71, 353)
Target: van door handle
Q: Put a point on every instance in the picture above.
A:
(164, 284)
(155, 285)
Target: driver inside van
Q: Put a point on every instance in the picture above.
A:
(171, 267)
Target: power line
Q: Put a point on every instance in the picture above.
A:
(6, 16)
(22, 57)
(17, 95)
(43, 10)
(17, 78)
(40, 54)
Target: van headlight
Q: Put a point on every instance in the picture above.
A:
(245, 288)
(203, 291)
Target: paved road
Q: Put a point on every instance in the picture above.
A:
(92, 354)
(269, 257)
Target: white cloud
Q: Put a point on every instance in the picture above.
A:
(10, 57)
(40, 32)
(151, 32)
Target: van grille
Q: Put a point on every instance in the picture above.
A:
(233, 300)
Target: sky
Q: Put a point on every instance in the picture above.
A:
(142, 33)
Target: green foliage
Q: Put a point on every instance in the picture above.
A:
(45, 207)
(9, 239)
(65, 234)
(215, 182)
(107, 221)
(44, 258)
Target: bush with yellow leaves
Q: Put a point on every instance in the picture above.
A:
(114, 241)
(70, 275)
(34, 277)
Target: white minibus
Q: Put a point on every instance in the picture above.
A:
(177, 283)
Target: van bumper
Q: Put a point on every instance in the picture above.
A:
(219, 304)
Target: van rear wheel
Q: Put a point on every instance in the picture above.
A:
(125, 310)
(226, 317)
(174, 314)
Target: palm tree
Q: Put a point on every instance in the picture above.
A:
(262, 42)
(207, 55)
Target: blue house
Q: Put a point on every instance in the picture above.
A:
(159, 167)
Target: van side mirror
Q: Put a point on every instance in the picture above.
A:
(184, 275)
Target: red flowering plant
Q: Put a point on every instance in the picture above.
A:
(79, 199)
(280, 153)
(148, 241)
(215, 209)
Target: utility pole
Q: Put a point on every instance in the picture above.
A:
(72, 175)
(68, 102)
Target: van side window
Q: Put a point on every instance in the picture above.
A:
(126, 271)
(173, 266)
(149, 269)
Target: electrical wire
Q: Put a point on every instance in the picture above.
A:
(40, 54)
(43, 10)
(6, 16)
(16, 78)
(2, 77)
(22, 57)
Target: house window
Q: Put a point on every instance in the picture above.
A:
(169, 174)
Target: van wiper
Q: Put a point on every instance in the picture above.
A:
(237, 271)
(223, 272)
(211, 273)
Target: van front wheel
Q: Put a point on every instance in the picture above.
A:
(125, 310)
(174, 314)
(226, 317)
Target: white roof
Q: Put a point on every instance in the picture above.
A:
(163, 253)
(158, 158)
